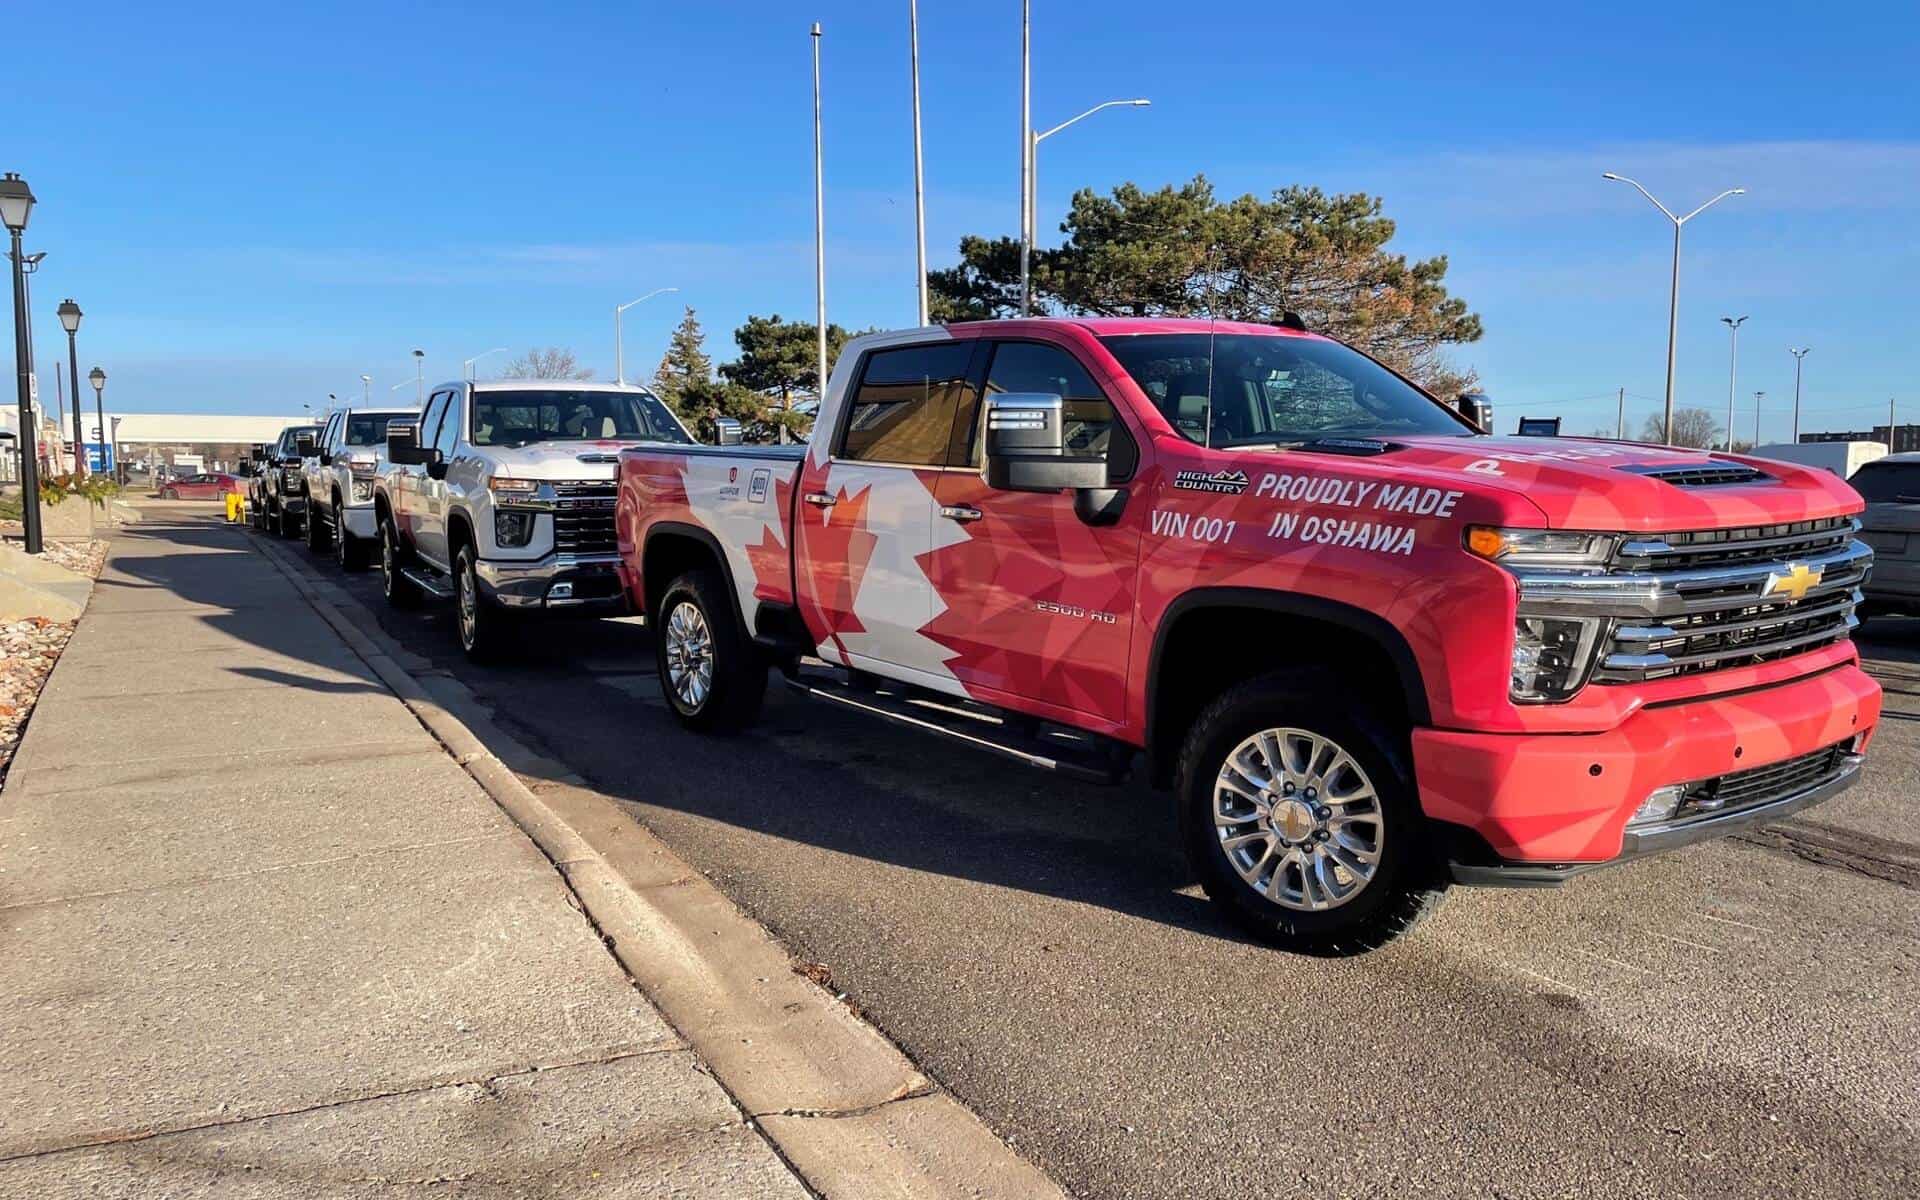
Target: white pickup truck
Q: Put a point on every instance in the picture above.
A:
(340, 467)
(501, 496)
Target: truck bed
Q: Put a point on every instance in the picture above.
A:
(740, 496)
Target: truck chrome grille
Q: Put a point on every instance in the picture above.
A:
(583, 517)
(1764, 785)
(1735, 597)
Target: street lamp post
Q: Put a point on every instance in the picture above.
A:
(466, 364)
(98, 379)
(420, 376)
(16, 203)
(366, 389)
(919, 173)
(1733, 325)
(819, 226)
(69, 314)
(1673, 299)
(619, 342)
(29, 264)
(1029, 234)
(1798, 352)
(1759, 398)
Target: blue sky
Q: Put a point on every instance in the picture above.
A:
(257, 203)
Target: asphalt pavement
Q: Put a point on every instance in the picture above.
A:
(1737, 1019)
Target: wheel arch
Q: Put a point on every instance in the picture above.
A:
(1255, 626)
(670, 549)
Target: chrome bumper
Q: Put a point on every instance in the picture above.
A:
(360, 520)
(572, 582)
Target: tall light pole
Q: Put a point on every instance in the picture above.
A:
(16, 203)
(919, 174)
(98, 379)
(819, 227)
(1620, 428)
(366, 389)
(1030, 234)
(1673, 300)
(619, 343)
(1759, 398)
(69, 314)
(420, 375)
(1733, 325)
(1026, 155)
(466, 364)
(1798, 352)
(29, 264)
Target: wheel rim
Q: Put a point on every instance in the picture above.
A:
(1298, 819)
(340, 545)
(689, 649)
(469, 606)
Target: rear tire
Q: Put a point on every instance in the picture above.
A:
(398, 589)
(711, 673)
(1301, 818)
(318, 539)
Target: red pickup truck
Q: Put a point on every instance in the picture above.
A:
(1373, 651)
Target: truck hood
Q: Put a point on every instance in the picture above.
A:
(598, 459)
(1583, 483)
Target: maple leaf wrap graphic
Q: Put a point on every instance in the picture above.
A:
(772, 566)
(838, 551)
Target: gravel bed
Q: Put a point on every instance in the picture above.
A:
(29, 647)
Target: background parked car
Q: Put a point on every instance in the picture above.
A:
(1891, 525)
(202, 487)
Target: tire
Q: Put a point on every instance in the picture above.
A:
(349, 552)
(1263, 881)
(319, 541)
(481, 624)
(283, 522)
(398, 589)
(712, 675)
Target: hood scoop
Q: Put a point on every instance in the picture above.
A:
(597, 459)
(1355, 447)
(1705, 474)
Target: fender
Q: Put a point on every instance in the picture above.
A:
(1369, 625)
(705, 538)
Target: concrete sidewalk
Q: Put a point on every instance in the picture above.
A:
(260, 935)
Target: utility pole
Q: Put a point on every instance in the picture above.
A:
(819, 228)
(1733, 325)
(1026, 157)
(1798, 354)
(1759, 398)
(1621, 432)
(919, 174)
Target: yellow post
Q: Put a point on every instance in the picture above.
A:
(236, 506)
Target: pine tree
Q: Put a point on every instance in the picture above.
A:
(684, 366)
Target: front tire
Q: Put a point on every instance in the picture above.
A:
(318, 540)
(398, 589)
(482, 623)
(349, 552)
(712, 675)
(1301, 818)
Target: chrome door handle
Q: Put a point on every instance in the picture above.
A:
(960, 512)
(818, 499)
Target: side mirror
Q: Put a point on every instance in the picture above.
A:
(303, 445)
(1476, 407)
(403, 443)
(727, 430)
(1026, 449)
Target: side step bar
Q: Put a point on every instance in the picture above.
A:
(431, 582)
(1035, 743)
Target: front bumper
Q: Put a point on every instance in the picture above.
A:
(360, 520)
(566, 582)
(1544, 807)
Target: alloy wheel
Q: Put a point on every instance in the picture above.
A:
(1298, 819)
(689, 649)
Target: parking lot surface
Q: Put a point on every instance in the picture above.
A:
(1736, 1019)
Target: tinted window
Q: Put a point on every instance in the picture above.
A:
(368, 429)
(1090, 426)
(449, 436)
(903, 410)
(292, 435)
(1888, 483)
(1250, 389)
(502, 418)
(430, 419)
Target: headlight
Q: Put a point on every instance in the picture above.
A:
(1552, 656)
(289, 477)
(512, 528)
(508, 491)
(362, 464)
(362, 489)
(1556, 548)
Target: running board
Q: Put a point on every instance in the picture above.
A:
(1010, 735)
(430, 582)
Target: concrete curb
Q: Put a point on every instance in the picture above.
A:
(842, 1104)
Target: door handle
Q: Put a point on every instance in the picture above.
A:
(818, 499)
(960, 512)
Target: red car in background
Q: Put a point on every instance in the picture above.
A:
(201, 487)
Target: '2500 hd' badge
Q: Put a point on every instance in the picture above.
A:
(1231, 483)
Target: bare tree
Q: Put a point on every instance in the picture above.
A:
(1693, 428)
(555, 362)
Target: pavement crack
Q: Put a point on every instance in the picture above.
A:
(1855, 854)
(919, 1092)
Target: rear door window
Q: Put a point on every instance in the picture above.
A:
(903, 409)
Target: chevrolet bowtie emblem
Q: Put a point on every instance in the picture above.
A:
(1793, 583)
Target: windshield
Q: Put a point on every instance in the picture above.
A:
(563, 414)
(370, 429)
(1888, 483)
(288, 436)
(1240, 389)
